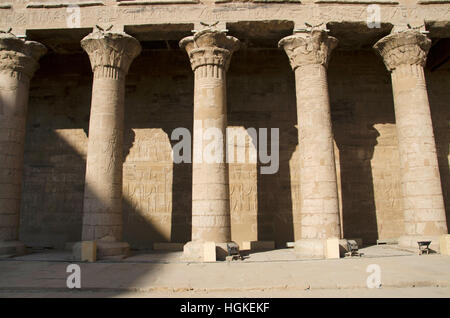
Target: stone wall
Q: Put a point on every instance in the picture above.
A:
(261, 94)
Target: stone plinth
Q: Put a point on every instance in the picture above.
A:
(332, 248)
(308, 54)
(444, 244)
(85, 251)
(111, 55)
(18, 62)
(404, 54)
(210, 52)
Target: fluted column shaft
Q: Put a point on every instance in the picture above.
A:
(111, 55)
(319, 216)
(404, 55)
(18, 62)
(210, 52)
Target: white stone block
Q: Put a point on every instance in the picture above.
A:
(209, 252)
(444, 244)
(332, 248)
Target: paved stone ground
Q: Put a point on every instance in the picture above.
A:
(417, 292)
(267, 274)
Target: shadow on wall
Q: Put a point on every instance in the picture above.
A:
(55, 159)
(265, 98)
(439, 97)
(355, 117)
(159, 98)
(157, 101)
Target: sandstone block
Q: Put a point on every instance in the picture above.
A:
(85, 251)
(310, 248)
(444, 244)
(332, 248)
(209, 252)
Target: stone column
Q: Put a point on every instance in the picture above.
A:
(210, 53)
(18, 62)
(308, 53)
(404, 54)
(111, 55)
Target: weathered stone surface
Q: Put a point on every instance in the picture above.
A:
(111, 55)
(209, 252)
(404, 54)
(311, 248)
(332, 248)
(210, 52)
(85, 251)
(157, 194)
(198, 251)
(18, 62)
(444, 244)
(308, 53)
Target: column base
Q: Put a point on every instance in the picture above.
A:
(199, 251)
(112, 250)
(105, 250)
(12, 248)
(410, 241)
(321, 248)
(310, 248)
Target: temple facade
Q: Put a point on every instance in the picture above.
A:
(162, 124)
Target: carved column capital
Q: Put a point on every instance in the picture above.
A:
(111, 50)
(210, 47)
(308, 48)
(17, 55)
(408, 47)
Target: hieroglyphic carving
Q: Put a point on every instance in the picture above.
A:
(234, 11)
(150, 145)
(209, 52)
(404, 53)
(243, 201)
(243, 192)
(147, 179)
(18, 62)
(243, 184)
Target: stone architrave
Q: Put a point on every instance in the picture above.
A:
(404, 54)
(111, 55)
(318, 220)
(18, 62)
(210, 51)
